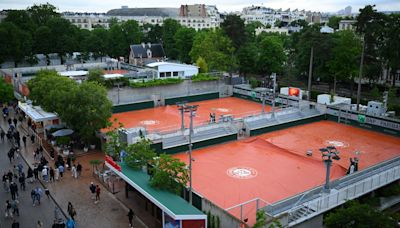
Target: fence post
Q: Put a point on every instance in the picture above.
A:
(241, 212)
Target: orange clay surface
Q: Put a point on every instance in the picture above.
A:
(168, 117)
(278, 165)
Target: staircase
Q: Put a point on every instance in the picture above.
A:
(302, 212)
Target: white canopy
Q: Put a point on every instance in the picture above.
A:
(36, 113)
(112, 76)
(75, 73)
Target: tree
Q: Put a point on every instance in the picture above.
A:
(345, 56)
(272, 55)
(140, 154)
(6, 91)
(152, 33)
(21, 19)
(261, 219)
(132, 33)
(234, 28)
(247, 58)
(169, 29)
(216, 49)
(41, 14)
(300, 22)
(354, 214)
(117, 45)
(250, 30)
(333, 22)
(201, 63)
(42, 43)
(169, 173)
(96, 42)
(16, 43)
(95, 75)
(391, 43)
(88, 111)
(184, 42)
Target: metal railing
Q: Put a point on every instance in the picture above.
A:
(341, 195)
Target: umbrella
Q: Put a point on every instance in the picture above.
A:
(56, 126)
(63, 132)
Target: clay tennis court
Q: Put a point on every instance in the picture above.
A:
(274, 166)
(168, 117)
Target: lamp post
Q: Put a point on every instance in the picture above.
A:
(181, 107)
(310, 69)
(192, 110)
(273, 76)
(360, 74)
(328, 154)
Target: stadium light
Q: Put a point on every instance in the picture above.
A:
(192, 110)
(181, 107)
(328, 153)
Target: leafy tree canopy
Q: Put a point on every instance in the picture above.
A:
(6, 91)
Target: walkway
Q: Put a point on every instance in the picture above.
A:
(109, 212)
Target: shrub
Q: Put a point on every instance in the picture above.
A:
(254, 83)
(204, 77)
(156, 82)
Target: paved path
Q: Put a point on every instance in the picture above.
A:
(109, 212)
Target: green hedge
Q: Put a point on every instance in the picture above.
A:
(156, 82)
(204, 77)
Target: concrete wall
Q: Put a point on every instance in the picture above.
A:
(226, 219)
(187, 87)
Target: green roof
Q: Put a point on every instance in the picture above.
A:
(174, 203)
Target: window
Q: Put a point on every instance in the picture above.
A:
(168, 74)
(162, 75)
(175, 73)
(79, 20)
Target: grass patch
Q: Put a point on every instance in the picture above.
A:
(204, 77)
(156, 82)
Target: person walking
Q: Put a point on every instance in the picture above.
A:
(47, 192)
(14, 206)
(130, 217)
(2, 134)
(45, 174)
(33, 138)
(29, 175)
(51, 174)
(61, 170)
(74, 172)
(79, 169)
(92, 188)
(70, 209)
(24, 140)
(21, 180)
(36, 173)
(15, 224)
(97, 193)
(8, 212)
(39, 224)
(13, 190)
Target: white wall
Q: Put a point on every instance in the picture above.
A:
(186, 70)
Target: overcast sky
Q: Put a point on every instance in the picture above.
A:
(222, 5)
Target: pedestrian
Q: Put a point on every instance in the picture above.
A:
(47, 192)
(74, 172)
(33, 196)
(38, 194)
(69, 208)
(97, 193)
(39, 224)
(61, 170)
(56, 174)
(13, 190)
(8, 212)
(15, 121)
(45, 174)
(36, 173)
(21, 180)
(33, 138)
(10, 155)
(2, 134)
(14, 206)
(9, 121)
(130, 217)
(15, 224)
(24, 140)
(29, 175)
(70, 223)
(51, 174)
(92, 188)
(79, 169)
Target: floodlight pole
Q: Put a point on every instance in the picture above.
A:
(191, 109)
(263, 95)
(273, 94)
(360, 74)
(181, 107)
(328, 164)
